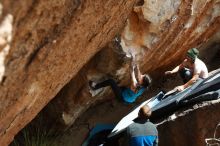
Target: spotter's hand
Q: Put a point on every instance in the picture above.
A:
(180, 88)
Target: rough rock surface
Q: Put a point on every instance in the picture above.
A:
(192, 126)
(136, 36)
(53, 43)
(159, 29)
(171, 43)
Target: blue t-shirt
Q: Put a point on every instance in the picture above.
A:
(142, 133)
(130, 96)
(143, 140)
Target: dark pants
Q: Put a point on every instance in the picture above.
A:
(115, 88)
(186, 74)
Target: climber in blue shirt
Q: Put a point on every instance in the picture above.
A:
(128, 95)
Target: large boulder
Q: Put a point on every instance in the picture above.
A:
(62, 44)
(51, 42)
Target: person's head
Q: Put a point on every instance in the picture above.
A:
(146, 80)
(144, 112)
(192, 54)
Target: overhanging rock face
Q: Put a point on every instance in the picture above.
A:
(158, 42)
(162, 31)
(53, 42)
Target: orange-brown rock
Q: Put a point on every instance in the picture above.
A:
(62, 44)
(162, 31)
(52, 41)
(166, 47)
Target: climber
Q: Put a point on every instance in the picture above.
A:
(137, 87)
(190, 70)
(142, 132)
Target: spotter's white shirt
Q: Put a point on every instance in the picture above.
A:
(200, 68)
